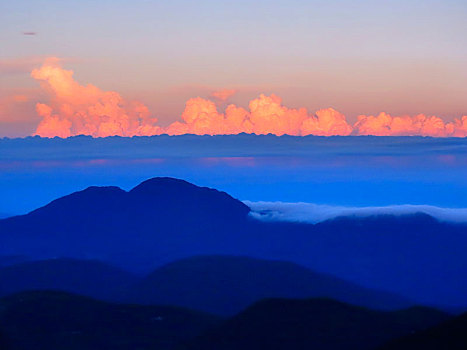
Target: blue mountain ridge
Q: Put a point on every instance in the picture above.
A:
(166, 219)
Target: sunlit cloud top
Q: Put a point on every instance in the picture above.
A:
(75, 109)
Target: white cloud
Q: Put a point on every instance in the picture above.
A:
(314, 213)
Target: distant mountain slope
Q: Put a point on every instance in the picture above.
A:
(228, 284)
(164, 219)
(318, 324)
(58, 321)
(414, 255)
(450, 335)
(84, 277)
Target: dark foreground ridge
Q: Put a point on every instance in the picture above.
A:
(451, 335)
(323, 324)
(49, 320)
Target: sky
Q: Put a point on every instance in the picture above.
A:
(151, 60)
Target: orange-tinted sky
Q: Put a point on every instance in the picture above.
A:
(334, 64)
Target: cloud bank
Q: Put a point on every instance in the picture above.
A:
(76, 109)
(314, 213)
(386, 125)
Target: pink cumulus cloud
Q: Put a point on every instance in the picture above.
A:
(75, 109)
(387, 125)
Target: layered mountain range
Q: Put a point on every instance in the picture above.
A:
(170, 265)
(166, 219)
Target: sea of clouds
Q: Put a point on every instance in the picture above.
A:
(314, 213)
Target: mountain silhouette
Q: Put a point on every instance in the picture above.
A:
(167, 199)
(89, 278)
(319, 324)
(451, 335)
(165, 219)
(228, 284)
(152, 223)
(48, 320)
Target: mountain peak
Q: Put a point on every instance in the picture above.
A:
(162, 183)
(101, 189)
(183, 195)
